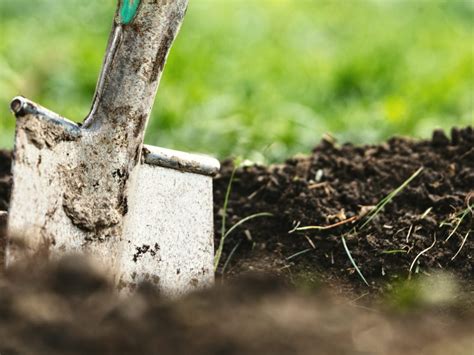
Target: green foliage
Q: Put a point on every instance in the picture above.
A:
(437, 290)
(263, 79)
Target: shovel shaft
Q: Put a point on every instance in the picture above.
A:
(139, 43)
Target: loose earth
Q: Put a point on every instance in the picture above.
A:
(287, 280)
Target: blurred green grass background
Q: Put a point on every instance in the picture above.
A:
(263, 79)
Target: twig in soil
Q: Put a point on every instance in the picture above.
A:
(317, 185)
(420, 254)
(334, 225)
(387, 199)
(462, 245)
(299, 253)
(353, 261)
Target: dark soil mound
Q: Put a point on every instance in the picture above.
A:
(333, 188)
(70, 309)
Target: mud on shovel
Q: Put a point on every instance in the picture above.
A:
(142, 212)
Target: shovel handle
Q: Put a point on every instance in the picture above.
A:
(128, 9)
(139, 43)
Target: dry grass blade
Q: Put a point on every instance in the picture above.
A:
(394, 251)
(299, 253)
(462, 245)
(248, 218)
(409, 233)
(426, 213)
(369, 216)
(420, 254)
(459, 219)
(340, 223)
(231, 254)
(226, 234)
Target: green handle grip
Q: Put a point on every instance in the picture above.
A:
(128, 11)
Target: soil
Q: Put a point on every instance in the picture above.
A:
(284, 290)
(333, 188)
(70, 309)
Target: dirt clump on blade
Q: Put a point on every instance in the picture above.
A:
(5, 189)
(317, 200)
(5, 179)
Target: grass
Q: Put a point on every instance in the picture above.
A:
(231, 254)
(331, 226)
(394, 251)
(458, 219)
(462, 245)
(419, 255)
(371, 214)
(218, 254)
(262, 79)
(437, 291)
(299, 253)
(354, 264)
(231, 229)
(225, 233)
(366, 220)
(387, 199)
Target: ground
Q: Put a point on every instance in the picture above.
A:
(283, 288)
(336, 190)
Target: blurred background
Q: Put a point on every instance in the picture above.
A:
(263, 79)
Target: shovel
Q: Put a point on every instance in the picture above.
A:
(142, 213)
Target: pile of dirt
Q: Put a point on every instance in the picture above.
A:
(333, 189)
(427, 226)
(71, 309)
